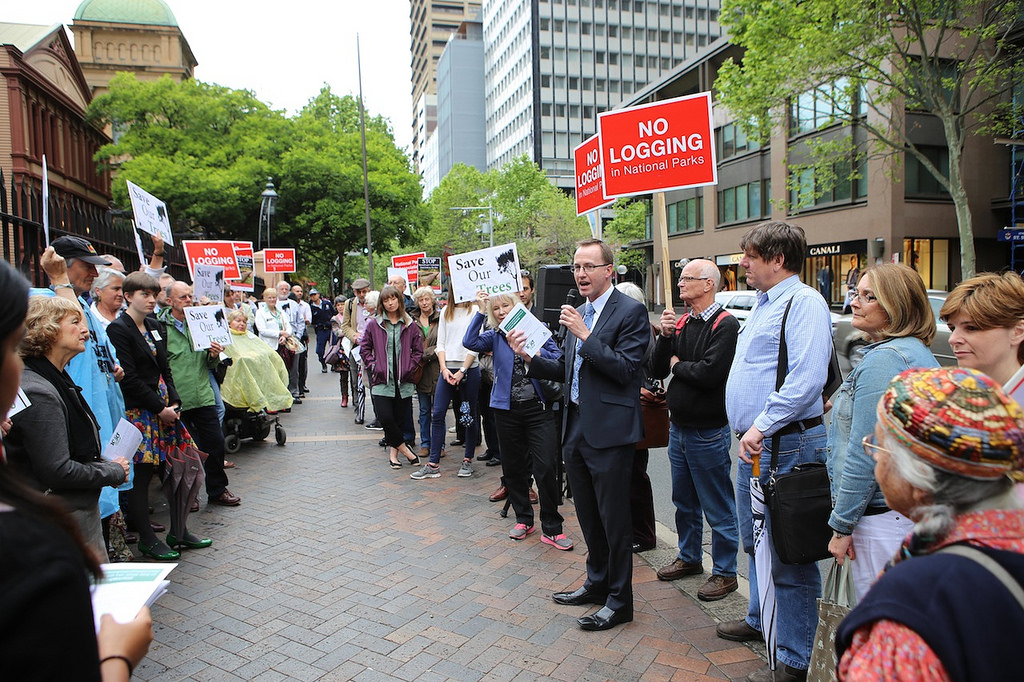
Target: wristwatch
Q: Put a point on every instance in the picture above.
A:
(54, 287)
(836, 535)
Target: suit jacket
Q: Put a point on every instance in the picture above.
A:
(610, 375)
(142, 372)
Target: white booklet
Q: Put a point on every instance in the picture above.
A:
(126, 588)
(521, 319)
(124, 442)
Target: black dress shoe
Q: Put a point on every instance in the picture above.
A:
(605, 619)
(640, 547)
(579, 597)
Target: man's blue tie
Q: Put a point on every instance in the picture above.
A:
(574, 391)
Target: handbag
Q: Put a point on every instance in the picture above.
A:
(332, 354)
(838, 597)
(799, 501)
(654, 404)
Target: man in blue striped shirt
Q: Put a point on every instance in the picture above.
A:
(788, 418)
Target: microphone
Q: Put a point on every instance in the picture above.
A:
(571, 298)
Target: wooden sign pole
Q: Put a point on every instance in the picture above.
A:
(661, 226)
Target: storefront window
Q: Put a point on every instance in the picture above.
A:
(930, 257)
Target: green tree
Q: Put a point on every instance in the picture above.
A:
(322, 183)
(205, 150)
(867, 63)
(628, 226)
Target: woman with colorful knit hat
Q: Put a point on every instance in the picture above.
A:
(948, 446)
(985, 315)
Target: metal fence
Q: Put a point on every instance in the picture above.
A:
(22, 239)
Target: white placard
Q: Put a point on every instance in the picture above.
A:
(123, 442)
(150, 213)
(46, 202)
(206, 324)
(400, 272)
(126, 587)
(21, 401)
(494, 270)
(208, 280)
(522, 320)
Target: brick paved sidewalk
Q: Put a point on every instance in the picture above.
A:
(336, 567)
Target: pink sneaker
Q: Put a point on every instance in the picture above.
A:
(520, 531)
(560, 541)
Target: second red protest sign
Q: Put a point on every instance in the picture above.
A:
(658, 147)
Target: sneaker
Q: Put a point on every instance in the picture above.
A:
(679, 568)
(560, 541)
(451, 429)
(717, 587)
(520, 531)
(466, 470)
(374, 426)
(426, 472)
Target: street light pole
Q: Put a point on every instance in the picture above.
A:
(268, 206)
(490, 217)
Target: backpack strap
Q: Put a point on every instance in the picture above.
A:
(681, 322)
(990, 565)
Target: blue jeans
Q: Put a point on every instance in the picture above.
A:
(426, 402)
(797, 586)
(701, 482)
(467, 391)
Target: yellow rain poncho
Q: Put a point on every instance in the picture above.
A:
(257, 378)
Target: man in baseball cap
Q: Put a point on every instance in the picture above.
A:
(81, 259)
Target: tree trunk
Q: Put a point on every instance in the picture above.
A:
(957, 191)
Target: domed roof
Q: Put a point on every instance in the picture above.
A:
(152, 12)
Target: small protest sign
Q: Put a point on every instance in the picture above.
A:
(279, 260)
(207, 324)
(208, 281)
(589, 183)
(408, 263)
(399, 272)
(428, 273)
(244, 260)
(494, 270)
(150, 213)
(209, 252)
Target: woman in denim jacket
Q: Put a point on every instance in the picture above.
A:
(891, 308)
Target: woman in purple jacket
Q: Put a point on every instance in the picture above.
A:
(391, 349)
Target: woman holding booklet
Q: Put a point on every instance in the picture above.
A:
(523, 414)
(46, 617)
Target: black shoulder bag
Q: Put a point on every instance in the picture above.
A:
(799, 501)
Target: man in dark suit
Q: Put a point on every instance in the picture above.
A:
(600, 365)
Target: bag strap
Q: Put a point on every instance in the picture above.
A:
(780, 377)
(990, 565)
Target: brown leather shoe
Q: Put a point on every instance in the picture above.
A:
(533, 496)
(737, 631)
(716, 587)
(424, 452)
(228, 464)
(226, 499)
(679, 568)
(498, 495)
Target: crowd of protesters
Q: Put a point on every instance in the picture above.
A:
(920, 458)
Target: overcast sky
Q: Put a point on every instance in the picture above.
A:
(285, 50)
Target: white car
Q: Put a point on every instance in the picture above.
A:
(740, 303)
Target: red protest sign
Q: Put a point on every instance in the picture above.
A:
(589, 183)
(220, 253)
(279, 260)
(244, 258)
(410, 263)
(658, 147)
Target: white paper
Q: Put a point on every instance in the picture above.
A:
(399, 272)
(522, 320)
(21, 401)
(124, 442)
(206, 324)
(150, 213)
(138, 247)
(208, 280)
(126, 588)
(46, 202)
(494, 270)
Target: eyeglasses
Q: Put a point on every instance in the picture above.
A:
(864, 298)
(687, 278)
(588, 268)
(873, 448)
